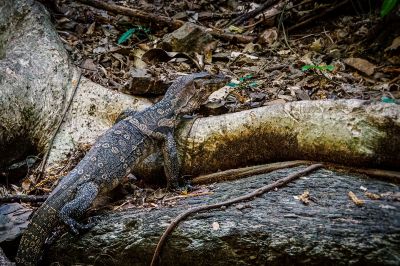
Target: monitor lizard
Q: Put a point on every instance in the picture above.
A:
(132, 138)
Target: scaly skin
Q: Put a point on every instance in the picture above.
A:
(135, 136)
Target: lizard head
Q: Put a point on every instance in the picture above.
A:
(190, 91)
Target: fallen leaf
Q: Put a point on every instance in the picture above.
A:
(215, 226)
(89, 64)
(235, 29)
(26, 184)
(361, 65)
(316, 45)
(268, 36)
(395, 44)
(91, 28)
(305, 197)
(236, 54)
(356, 200)
(372, 196)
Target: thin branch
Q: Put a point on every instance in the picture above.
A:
(233, 174)
(252, 14)
(46, 156)
(318, 15)
(23, 198)
(149, 17)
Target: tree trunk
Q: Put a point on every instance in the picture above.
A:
(37, 81)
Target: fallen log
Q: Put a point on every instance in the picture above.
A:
(275, 228)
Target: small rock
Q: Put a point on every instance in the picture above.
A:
(142, 82)
(188, 38)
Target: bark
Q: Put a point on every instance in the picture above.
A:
(273, 229)
(37, 82)
(348, 132)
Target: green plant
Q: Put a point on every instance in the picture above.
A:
(388, 6)
(243, 82)
(128, 34)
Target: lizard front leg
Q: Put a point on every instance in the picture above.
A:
(84, 197)
(171, 161)
(124, 114)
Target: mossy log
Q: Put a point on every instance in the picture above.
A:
(348, 132)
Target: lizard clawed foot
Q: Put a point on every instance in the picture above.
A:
(80, 228)
(77, 228)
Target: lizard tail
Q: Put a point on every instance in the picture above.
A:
(31, 246)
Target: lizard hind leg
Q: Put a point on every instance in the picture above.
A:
(84, 197)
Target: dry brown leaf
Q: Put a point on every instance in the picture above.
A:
(91, 28)
(395, 44)
(356, 200)
(316, 45)
(361, 65)
(372, 196)
(269, 36)
(305, 197)
(26, 184)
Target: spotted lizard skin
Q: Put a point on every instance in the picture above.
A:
(132, 138)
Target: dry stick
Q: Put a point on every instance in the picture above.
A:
(253, 13)
(241, 38)
(23, 198)
(248, 196)
(233, 174)
(322, 13)
(46, 156)
(175, 23)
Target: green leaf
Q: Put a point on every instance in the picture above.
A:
(329, 67)
(387, 100)
(307, 67)
(232, 84)
(124, 37)
(253, 84)
(388, 6)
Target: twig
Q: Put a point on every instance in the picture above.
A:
(189, 195)
(320, 14)
(233, 174)
(23, 198)
(46, 156)
(248, 196)
(253, 13)
(175, 23)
